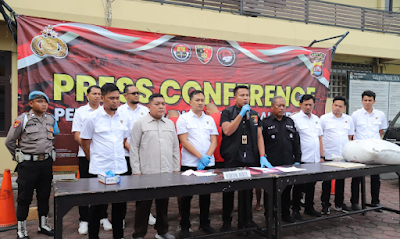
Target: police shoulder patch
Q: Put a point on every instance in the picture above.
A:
(16, 123)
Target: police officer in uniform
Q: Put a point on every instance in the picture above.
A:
(282, 145)
(241, 135)
(36, 130)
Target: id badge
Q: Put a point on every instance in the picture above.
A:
(244, 139)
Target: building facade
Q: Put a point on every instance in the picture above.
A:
(371, 46)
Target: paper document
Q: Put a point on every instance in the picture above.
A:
(344, 164)
(199, 173)
(205, 174)
(264, 170)
(291, 169)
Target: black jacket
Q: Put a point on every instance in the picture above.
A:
(230, 144)
(281, 141)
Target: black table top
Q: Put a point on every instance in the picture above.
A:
(136, 182)
(320, 168)
(165, 180)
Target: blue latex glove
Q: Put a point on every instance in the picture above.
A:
(205, 160)
(245, 108)
(110, 173)
(296, 163)
(265, 163)
(200, 166)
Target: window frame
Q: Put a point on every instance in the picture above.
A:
(6, 82)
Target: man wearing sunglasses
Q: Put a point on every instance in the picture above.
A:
(134, 111)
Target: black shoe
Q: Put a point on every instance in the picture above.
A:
(44, 227)
(296, 215)
(288, 219)
(185, 233)
(355, 207)
(312, 212)
(377, 205)
(252, 224)
(325, 210)
(343, 208)
(226, 227)
(207, 229)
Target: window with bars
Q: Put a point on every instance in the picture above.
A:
(338, 82)
(5, 92)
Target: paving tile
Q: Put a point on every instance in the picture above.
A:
(372, 225)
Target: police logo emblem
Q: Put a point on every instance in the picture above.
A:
(226, 56)
(272, 136)
(318, 59)
(181, 52)
(49, 44)
(16, 123)
(255, 119)
(204, 53)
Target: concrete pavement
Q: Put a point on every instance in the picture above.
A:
(372, 225)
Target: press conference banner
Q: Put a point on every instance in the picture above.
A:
(63, 59)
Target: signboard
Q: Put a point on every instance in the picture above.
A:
(63, 59)
(386, 88)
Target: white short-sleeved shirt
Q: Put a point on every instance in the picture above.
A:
(336, 133)
(107, 146)
(309, 129)
(367, 125)
(79, 118)
(133, 116)
(199, 131)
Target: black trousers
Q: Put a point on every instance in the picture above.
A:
(309, 189)
(204, 204)
(228, 197)
(34, 175)
(117, 216)
(142, 216)
(375, 188)
(339, 192)
(84, 173)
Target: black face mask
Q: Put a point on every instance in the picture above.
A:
(134, 102)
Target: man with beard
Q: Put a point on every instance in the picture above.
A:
(103, 135)
(134, 111)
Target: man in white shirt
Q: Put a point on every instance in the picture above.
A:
(369, 123)
(197, 133)
(338, 129)
(93, 95)
(103, 135)
(134, 111)
(310, 131)
(154, 148)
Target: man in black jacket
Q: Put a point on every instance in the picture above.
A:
(241, 136)
(282, 145)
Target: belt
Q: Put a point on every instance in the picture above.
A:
(39, 157)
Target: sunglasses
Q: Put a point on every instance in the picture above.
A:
(134, 93)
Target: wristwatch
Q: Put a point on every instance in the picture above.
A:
(322, 157)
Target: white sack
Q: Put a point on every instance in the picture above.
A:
(372, 151)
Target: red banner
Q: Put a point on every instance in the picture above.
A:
(63, 59)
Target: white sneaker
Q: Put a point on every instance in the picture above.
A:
(152, 220)
(106, 224)
(83, 228)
